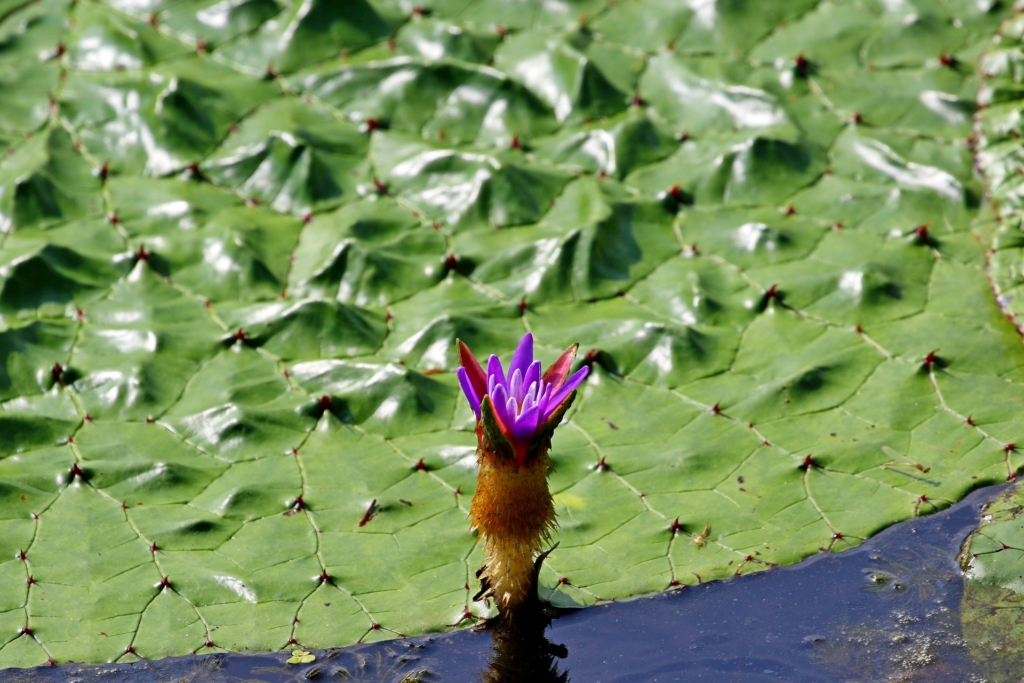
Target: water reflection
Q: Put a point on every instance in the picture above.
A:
(521, 650)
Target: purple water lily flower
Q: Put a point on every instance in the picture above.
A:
(524, 398)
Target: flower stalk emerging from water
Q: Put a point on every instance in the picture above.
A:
(516, 415)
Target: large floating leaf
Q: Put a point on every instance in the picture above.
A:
(238, 241)
(993, 599)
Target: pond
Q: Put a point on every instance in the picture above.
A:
(885, 611)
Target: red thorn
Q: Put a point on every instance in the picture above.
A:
(522, 304)
(21, 555)
(381, 187)
(929, 360)
(149, 420)
(375, 626)
(124, 505)
(602, 465)
(324, 577)
(676, 527)
(240, 335)
(921, 231)
(772, 292)
(591, 356)
(748, 558)
(142, 254)
(26, 631)
(969, 420)
(292, 641)
(435, 225)
(458, 491)
(717, 408)
(56, 371)
(295, 451)
(638, 101)
(947, 60)
(368, 515)
(515, 143)
(676, 193)
(922, 498)
(31, 580)
(1010, 447)
(451, 261)
(857, 118)
(563, 580)
(104, 172)
(683, 137)
(61, 49)
(295, 620)
(209, 643)
(307, 218)
(859, 329)
(421, 466)
(76, 471)
(808, 463)
(324, 403)
(802, 65)
(153, 21)
(791, 211)
(200, 46)
(299, 503)
(837, 536)
(130, 650)
(51, 662)
(165, 582)
(154, 548)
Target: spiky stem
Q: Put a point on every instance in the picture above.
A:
(514, 514)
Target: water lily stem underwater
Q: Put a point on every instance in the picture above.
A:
(512, 510)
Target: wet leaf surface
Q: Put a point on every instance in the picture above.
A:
(238, 241)
(993, 605)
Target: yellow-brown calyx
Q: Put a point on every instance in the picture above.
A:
(514, 514)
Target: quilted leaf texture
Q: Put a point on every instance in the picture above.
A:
(238, 241)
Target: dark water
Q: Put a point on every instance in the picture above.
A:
(887, 611)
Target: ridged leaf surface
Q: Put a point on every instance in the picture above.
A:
(239, 240)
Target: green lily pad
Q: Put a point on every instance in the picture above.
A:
(994, 588)
(239, 240)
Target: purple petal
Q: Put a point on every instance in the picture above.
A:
(498, 401)
(526, 425)
(531, 376)
(545, 398)
(467, 388)
(515, 385)
(523, 356)
(528, 402)
(512, 408)
(567, 388)
(494, 370)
